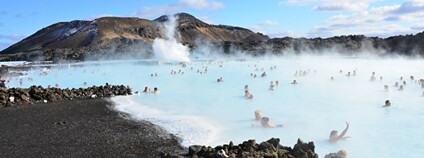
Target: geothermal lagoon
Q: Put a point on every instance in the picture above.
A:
(199, 110)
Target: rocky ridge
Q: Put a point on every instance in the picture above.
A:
(116, 37)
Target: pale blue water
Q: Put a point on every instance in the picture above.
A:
(201, 111)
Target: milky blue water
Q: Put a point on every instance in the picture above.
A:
(198, 109)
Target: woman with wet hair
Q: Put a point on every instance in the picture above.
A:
(334, 136)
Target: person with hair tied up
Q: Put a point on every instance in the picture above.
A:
(334, 137)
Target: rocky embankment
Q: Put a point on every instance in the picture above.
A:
(250, 149)
(34, 94)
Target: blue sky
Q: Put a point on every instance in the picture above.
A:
(276, 18)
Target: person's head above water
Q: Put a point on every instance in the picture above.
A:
(258, 114)
(265, 121)
(387, 103)
(334, 133)
(334, 136)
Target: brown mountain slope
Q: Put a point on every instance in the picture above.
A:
(117, 36)
(78, 39)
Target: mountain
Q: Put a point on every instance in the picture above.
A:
(118, 36)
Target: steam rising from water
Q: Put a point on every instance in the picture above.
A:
(169, 49)
(196, 108)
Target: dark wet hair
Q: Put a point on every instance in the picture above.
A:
(334, 132)
(265, 119)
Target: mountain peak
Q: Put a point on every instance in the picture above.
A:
(184, 19)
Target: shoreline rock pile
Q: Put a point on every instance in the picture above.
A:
(34, 94)
(250, 149)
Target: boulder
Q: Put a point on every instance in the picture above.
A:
(304, 150)
(339, 154)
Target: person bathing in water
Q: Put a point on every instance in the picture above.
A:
(264, 120)
(258, 115)
(247, 94)
(265, 123)
(335, 137)
(387, 103)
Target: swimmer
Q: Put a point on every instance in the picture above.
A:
(258, 115)
(348, 74)
(220, 80)
(277, 83)
(331, 78)
(294, 82)
(247, 94)
(271, 87)
(372, 78)
(404, 82)
(334, 137)
(246, 87)
(400, 87)
(387, 103)
(146, 90)
(156, 90)
(396, 84)
(386, 87)
(265, 123)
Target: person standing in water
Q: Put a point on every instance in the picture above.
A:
(335, 137)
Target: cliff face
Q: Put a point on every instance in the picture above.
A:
(111, 36)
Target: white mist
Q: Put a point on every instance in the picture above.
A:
(200, 110)
(169, 49)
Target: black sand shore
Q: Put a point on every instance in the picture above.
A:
(79, 128)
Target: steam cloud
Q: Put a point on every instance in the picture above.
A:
(169, 49)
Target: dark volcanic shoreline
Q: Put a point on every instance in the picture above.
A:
(79, 128)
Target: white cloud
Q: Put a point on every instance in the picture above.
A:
(182, 5)
(418, 27)
(378, 21)
(263, 27)
(156, 11)
(203, 4)
(284, 33)
(331, 5)
(270, 23)
(8, 40)
(410, 7)
(206, 19)
(297, 2)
